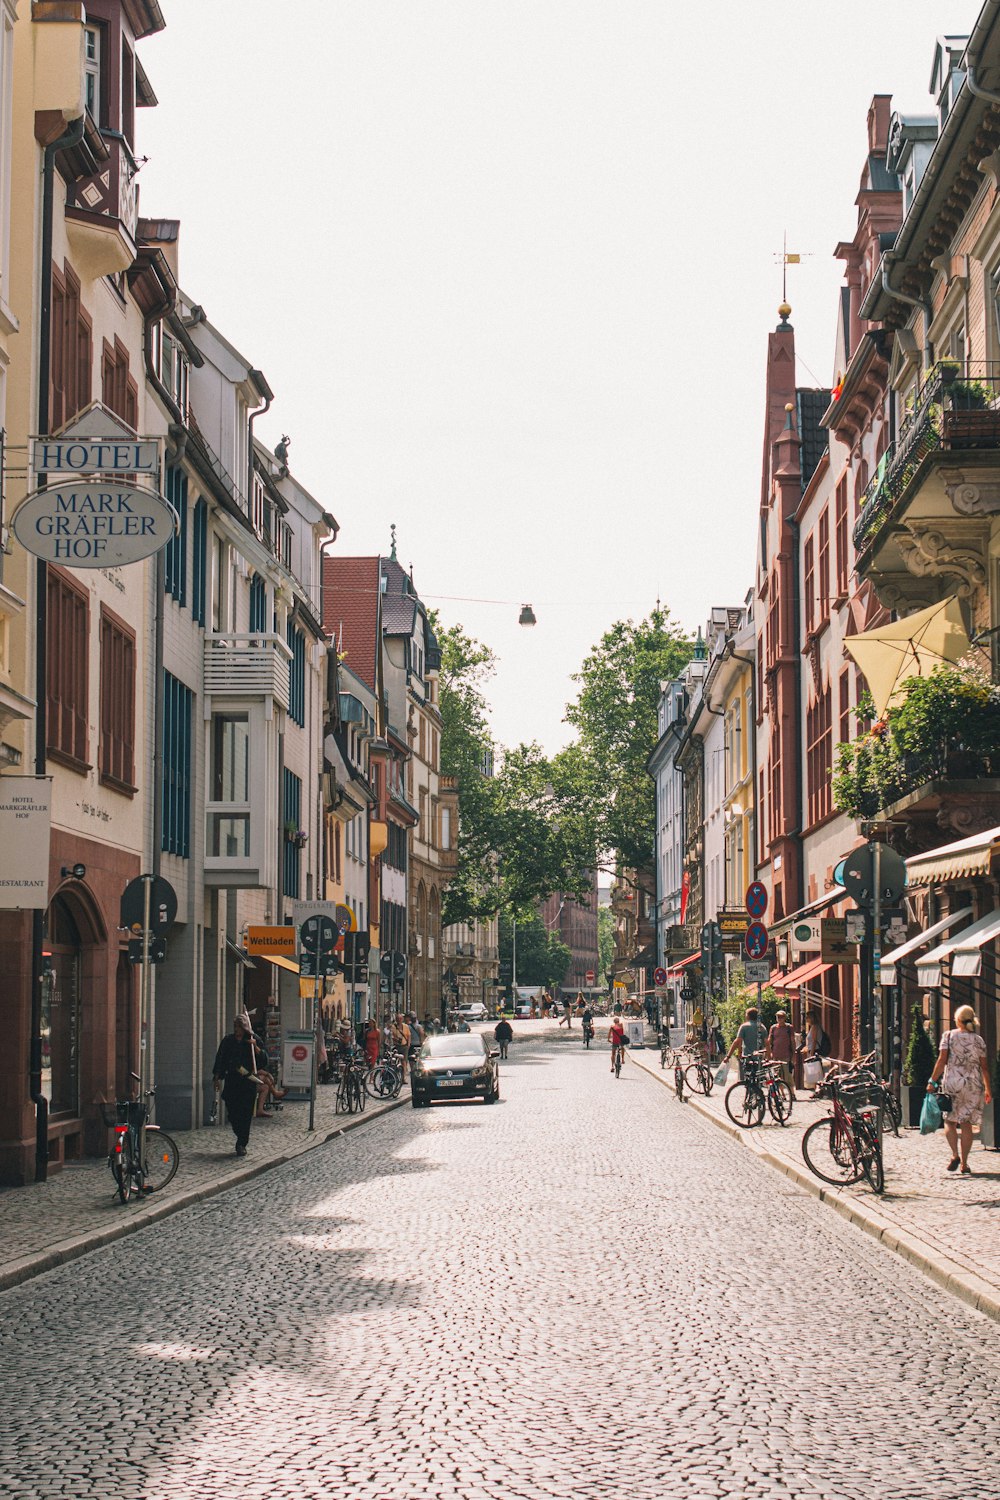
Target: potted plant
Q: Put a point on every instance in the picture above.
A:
(918, 1065)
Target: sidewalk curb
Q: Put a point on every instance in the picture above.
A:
(149, 1211)
(955, 1278)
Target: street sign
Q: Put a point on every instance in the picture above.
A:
(318, 935)
(100, 525)
(25, 822)
(357, 946)
(590, 976)
(95, 442)
(859, 880)
(835, 947)
(327, 963)
(659, 976)
(162, 904)
(268, 940)
(856, 922)
(345, 919)
(733, 923)
(756, 940)
(756, 899)
(757, 970)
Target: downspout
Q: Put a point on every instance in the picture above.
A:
(975, 87)
(72, 137)
(751, 662)
(800, 780)
(268, 395)
(888, 261)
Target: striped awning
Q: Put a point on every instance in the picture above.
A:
(800, 977)
(968, 942)
(959, 861)
(888, 961)
(674, 971)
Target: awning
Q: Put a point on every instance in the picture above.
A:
(967, 959)
(887, 965)
(281, 962)
(675, 969)
(968, 857)
(969, 941)
(785, 924)
(240, 956)
(801, 976)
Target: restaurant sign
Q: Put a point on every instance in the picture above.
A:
(94, 525)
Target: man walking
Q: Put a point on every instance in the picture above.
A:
(235, 1073)
(504, 1035)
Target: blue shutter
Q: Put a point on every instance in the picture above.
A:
(297, 675)
(258, 604)
(292, 813)
(199, 562)
(177, 708)
(175, 552)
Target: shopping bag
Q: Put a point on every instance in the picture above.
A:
(930, 1116)
(722, 1073)
(812, 1072)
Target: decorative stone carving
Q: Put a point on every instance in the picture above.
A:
(904, 593)
(815, 662)
(929, 552)
(962, 817)
(969, 497)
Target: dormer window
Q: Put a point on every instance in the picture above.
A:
(92, 71)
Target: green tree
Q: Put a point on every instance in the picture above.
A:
(542, 958)
(467, 753)
(615, 716)
(605, 943)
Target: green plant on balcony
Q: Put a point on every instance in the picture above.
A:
(970, 395)
(946, 724)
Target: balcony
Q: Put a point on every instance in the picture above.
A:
(923, 529)
(247, 666)
(102, 209)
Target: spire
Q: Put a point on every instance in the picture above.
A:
(700, 650)
(392, 532)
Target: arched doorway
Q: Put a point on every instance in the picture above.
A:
(62, 1010)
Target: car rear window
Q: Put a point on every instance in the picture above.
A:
(453, 1046)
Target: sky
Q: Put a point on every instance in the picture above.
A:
(510, 269)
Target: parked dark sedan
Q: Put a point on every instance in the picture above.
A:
(460, 1065)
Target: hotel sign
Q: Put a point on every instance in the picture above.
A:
(24, 838)
(99, 525)
(95, 455)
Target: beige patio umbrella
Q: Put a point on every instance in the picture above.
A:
(913, 647)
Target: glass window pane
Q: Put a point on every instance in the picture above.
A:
(229, 835)
(230, 758)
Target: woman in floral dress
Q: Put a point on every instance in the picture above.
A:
(961, 1066)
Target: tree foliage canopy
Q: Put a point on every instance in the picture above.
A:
(542, 958)
(615, 716)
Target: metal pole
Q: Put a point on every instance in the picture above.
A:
(876, 849)
(315, 1047)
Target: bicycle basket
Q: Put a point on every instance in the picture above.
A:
(115, 1111)
(864, 1097)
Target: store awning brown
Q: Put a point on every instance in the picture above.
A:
(962, 860)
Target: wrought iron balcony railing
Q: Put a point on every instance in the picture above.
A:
(957, 407)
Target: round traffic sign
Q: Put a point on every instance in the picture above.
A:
(659, 976)
(756, 899)
(756, 940)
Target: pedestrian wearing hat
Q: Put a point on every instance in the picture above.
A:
(235, 1074)
(965, 1078)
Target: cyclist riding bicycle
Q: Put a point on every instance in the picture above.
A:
(616, 1036)
(588, 1022)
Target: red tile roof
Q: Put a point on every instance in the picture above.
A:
(352, 610)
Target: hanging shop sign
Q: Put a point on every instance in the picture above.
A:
(95, 455)
(24, 838)
(96, 525)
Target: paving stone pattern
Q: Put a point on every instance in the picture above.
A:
(586, 1290)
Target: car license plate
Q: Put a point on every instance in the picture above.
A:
(449, 1083)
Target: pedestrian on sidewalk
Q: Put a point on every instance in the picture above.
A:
(780, 1048)
(372, 1043)
(235, 1073)
(567, 1014)
(504, 1035)
(750, 1039)
(961, 1066)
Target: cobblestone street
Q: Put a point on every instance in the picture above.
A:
(587, 1290)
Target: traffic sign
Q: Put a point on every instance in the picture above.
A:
(659, 976)
(757, 970)
(162, 904)
(318, 935)
(756, 940)
(859, 878)
(756, 899)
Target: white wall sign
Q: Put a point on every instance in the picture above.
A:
(94, 525)
(24, 839)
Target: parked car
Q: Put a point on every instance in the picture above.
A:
(455, 1065)
(522, 1010)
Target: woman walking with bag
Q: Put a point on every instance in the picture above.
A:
(961, 1067)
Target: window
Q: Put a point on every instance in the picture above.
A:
(93, 93)
(119, 391)
(777, 820)
(446, 828)
(199, 561)
(841, 538)
(258, 505)
(228, 833)
(258, 604)
(818, 757)
(72, 350)
(219, 553)
(823, 565)
(845, 706)
(177, 706)
(66, 668)
(809, 584)
(292, 814)
(175, 552)
(117, 742)
(297, 676)
(128, 93)
(174, 372)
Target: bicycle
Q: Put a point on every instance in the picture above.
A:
(351, 1093)
(760, 1088)
(699, 1077)
(588, 1034)
(846, 1145)
(863, 1073)
(617, 1054)
(144, 1158)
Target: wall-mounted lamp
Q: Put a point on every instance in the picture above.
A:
(76, 871)
(527, 615)
(782, 950)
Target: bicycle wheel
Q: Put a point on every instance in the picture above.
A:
(161, 1160)
(745, 1105)
(779, 1100)
(343, 1106)
(361, 1093)
(830, 1154)
(618, 1062)
(892, 1113)
(123, 1166)
(679, 1081)
(699, 1078)
(664, 1054)
(870, 1151)
(383, 1080)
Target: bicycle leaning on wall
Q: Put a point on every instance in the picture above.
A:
(144, 1158)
